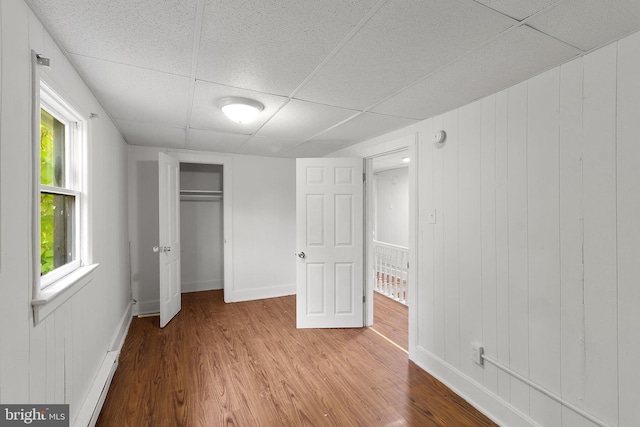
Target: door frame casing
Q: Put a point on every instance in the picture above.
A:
(227, 164)
(409, 143)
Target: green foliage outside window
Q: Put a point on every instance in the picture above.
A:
(47, 206)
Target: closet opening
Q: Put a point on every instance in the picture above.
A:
(201, 227)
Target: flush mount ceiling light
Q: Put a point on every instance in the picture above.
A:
(240, 110)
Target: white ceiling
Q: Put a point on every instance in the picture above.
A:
(330, 73)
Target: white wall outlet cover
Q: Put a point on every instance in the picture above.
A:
(439, 137)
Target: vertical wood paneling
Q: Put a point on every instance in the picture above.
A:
(62, 351)
(14, 216)
(77, 373)
(559, 208)
(41, 364)
(502, 242)
(451, 247)
(36, 33)
(38, 364)
(518, 234)
(628, 210)
(438, 242)
(50, 323)
(489, 237)
(426, 290)
(572, 371)
(599, 201)
(544, 242)
(470, 235)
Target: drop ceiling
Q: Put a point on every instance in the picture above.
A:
(330, 73)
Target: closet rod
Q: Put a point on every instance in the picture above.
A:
(200, 192)
(201, 197)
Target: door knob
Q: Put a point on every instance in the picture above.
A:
(302, 255)
(157, 249)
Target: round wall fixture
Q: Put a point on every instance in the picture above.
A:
(439, 138)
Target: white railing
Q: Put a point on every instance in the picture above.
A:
(391, 268)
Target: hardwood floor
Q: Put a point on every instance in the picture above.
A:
(246, 364)
(391, 319)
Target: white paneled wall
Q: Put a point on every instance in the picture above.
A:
(628, 228)
(57, 360)
(536, 248)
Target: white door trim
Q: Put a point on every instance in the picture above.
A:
(410, 143)
(227, 187)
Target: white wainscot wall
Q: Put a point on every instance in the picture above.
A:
(535, 251)
(58, 360)
(528, 179)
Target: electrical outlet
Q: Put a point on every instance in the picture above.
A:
(476, 354)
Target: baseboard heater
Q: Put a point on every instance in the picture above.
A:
(92, 405)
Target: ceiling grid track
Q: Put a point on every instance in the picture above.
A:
(197, 33)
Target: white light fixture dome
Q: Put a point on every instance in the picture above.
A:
(240, 110)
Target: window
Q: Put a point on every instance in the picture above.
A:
(60, 179)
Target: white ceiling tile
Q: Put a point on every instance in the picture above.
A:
(151, 135)
(514, 57)
(311, 149)
(588, 24)
(422, 57)
(272, 45)
(518, 9)
(259, 146)
(143, 33)
(220, 142)
(361, 128)
(404, 41)
(137, 94)
(207, 115)
(300, 120)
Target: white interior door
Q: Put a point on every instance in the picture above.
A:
(169, 245)
(329, 227)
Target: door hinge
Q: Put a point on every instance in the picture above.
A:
(364, 298)
(364, 176)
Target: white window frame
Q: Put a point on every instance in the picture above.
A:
(74, 123)
(50, 292)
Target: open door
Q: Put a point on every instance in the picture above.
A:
(169, 244)
(329, 238)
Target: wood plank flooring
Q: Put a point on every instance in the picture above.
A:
(391, 319)
(246, 364)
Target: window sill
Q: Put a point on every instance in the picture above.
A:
(56, 294)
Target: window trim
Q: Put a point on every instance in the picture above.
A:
(74, 123)
(52, 290)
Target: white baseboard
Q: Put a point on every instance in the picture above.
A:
(153, 306)
(117, 341)
(484, 401)
(92, 405)
(146, 307)
(210, 285)
(259, 293)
